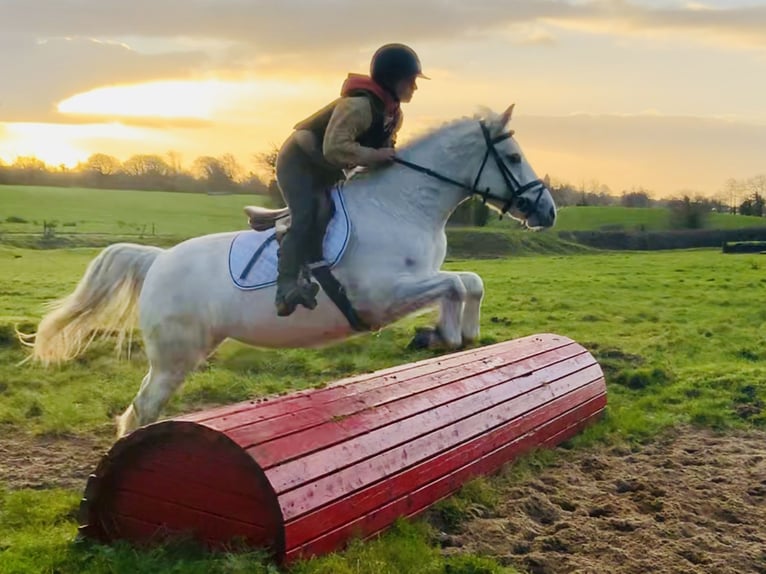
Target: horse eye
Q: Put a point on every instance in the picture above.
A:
(522, 203)
(515, 158)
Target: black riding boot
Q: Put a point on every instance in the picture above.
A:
(293, 286)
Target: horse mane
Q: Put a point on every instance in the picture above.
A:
(484, 113)
(491, 118)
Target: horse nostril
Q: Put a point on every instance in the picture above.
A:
(552, 214)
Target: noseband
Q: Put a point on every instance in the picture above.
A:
(513, 185)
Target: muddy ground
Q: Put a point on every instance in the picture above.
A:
(50, 462)
(690, 502)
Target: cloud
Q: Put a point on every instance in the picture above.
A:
(38, 74)
(741, 26)
(62, 48)
(298, 26)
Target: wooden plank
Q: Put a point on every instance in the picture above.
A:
(365, 486)
(307, 525)
(473, 415)
(420, 499)
(176, 517)
(175, 488)
(134, 529)
(138, 531)
(395, 375)
(518, 349)
(201, 465)
(325, 400)
(317, 429)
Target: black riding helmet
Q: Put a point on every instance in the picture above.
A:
(394, 62)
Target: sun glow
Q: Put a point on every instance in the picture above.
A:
(57, 145)
(200, 117)
(193, 100)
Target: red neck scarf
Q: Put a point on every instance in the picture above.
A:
(360, 82)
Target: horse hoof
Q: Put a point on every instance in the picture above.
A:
(425, 338)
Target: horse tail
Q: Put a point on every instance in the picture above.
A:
(105, 301)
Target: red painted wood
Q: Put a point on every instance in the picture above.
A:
(481, 412)
(177, 489)
(175, 518)
(302, 522)
(392, 374)
(325, 404)
(224, 476)
(301, 473)
(497, 354)
(407, 401)
(417, 500)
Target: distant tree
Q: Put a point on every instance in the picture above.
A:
(746, 207)
(636, 197)
(752, 205)
(146, 165)
(744, 193)
(471, 212)
(29, 163)
(174, 162)
(267, 163)
(688, 213)
(231, 167)
(758, 205)
(213, 171)
(102, 164)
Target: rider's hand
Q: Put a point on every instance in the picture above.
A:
(383, 155)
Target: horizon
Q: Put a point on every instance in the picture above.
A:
(658, 94)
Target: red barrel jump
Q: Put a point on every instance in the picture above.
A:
(301, 474)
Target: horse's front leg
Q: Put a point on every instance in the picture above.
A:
(411, 294)
(471, 321)
(468, 313)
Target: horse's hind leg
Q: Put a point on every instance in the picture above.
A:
(170, 359)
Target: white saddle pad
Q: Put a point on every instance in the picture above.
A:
(253, 254)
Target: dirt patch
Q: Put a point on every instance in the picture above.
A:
(28, 461)
(691, 502)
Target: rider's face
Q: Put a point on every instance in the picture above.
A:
(405, 89)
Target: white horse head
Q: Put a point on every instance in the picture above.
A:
(479, 156)
(531, 200)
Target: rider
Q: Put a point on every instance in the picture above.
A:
(357, 129)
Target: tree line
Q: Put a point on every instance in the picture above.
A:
(225, 174)
(688, 210)
(151, 172)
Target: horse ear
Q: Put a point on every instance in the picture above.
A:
(506, 117)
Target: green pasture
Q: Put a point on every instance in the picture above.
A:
(612, 218)
(146, 214)
(23, 209)
(680, 335)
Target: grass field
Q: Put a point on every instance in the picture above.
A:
(680, 336)
(597, 218)
(79, 210)
(180, 215)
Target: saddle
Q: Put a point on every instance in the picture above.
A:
(263, 218)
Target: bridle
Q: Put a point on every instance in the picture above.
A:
(512, 183)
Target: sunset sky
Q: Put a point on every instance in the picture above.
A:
(664, 94)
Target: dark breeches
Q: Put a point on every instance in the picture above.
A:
(302, 183)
